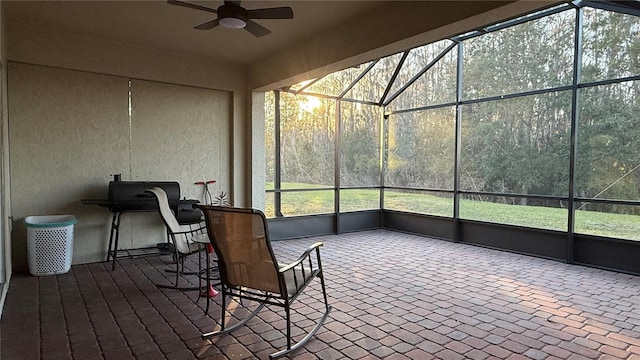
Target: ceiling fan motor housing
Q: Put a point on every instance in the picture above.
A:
(232, 16)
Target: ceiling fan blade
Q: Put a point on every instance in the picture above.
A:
(256, 29)
(232, 2)
(271, 13)
(207, 25)
(192, 6)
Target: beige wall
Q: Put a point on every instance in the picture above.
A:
(186, 128)
(34, 45)
(42, 46)
(70, 130)
(5, 224)
(258, 151)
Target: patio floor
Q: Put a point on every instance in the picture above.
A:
(394, 296)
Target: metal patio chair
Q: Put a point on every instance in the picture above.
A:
(249, 269)
(185, 240)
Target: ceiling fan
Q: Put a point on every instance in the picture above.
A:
(233, 16)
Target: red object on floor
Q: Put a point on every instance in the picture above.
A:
(211, 292)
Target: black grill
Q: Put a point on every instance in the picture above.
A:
(132, 196)
(124, 196)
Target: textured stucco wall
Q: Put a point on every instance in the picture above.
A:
(35, 45)
(50, 47)
(70, 130)
(180, 133)
(258, 149)
(5, 227)
(79, 97)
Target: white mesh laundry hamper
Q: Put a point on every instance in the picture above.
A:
(50, 243)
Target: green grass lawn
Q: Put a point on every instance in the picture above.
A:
(586, 222)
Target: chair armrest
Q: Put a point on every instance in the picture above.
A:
(302, 257)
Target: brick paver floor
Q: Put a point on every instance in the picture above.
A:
(394, 296)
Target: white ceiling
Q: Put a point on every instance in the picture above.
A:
(157, 24)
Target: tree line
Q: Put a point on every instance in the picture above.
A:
(516, 145)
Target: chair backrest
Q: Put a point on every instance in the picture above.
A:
(241, 242)
(169, 219)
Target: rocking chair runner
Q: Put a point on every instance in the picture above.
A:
(249, 270)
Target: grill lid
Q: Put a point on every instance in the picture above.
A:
(131, 195)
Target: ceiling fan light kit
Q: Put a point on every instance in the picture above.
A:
(232, 23)
(233, 16)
